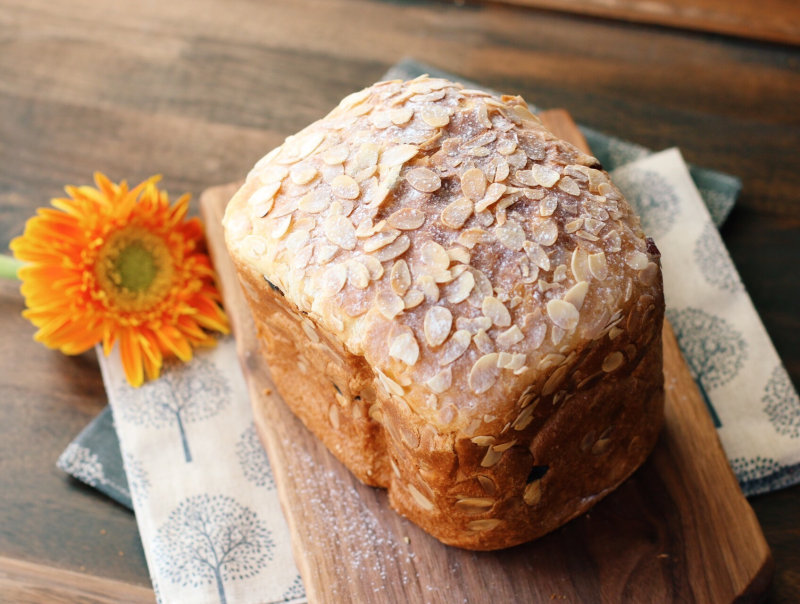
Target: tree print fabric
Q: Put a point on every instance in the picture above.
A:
(200, 483)
(748, 392)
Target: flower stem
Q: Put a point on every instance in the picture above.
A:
(9, 267)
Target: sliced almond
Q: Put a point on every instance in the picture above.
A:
(456, 213)
(580, 264)
(394, 249)
(401, 116)
(437, 325)
(336, 154)
(598, 266)
(345, 187)
(537, 255)
(544, 176)
(510, 234)
(563, 314)
(398, 155)
(442, 381)
(636, 260)
(545, 232)
(455, 347)
(405, 348)
(613, 361)
(569, 186)
(339, 230)
(484, 373)
(496, 311)
(509, 337)
(473, 184)
(333, 279)
(460, 289)
(576, 294)
(413, 298)
(434, 256)
(389, 304)
(406, 219)
(435, 116)
(485, 524)
(400, 278)
(381, 239)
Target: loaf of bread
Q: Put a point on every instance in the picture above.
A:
(461, 306)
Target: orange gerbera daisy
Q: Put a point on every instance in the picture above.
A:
(112, 264)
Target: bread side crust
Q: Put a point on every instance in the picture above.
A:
(482, 492)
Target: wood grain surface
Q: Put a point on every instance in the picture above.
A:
(199, 90)
(771, 20)
(679, 531)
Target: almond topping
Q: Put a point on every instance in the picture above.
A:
(509, 337)
(434, 256)
(389, 304)
(569, 186)
(545, 232)
(340, 230)
(576, 294)
(460, 289)
(437, 325)
(405, 348)
(336, 154)
(400, 278)
(580, 264)
(435, 116)
(537, 255)
(455, 347)
(413, 298)
(401, 116)
(510, 234)
(302, 176)
(314, 202)
(398, 155)
(473, 184)
(394, 249)
(544, 176)
(345, 187)
(471, 237)
(563, 314)
(598, 266)
(483, 374)
(485, 524)
(636, 260)
(441, 381)
(357, 274)
(493, 193)
(613, 361)
(456, 213)
(381, 239)
(421, 500)
(496, 311)
(333, 279)
(407, 219)
(423, 180)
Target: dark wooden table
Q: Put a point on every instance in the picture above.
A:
(199, 90)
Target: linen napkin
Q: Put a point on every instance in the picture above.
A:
(747, 390)
(199, 481)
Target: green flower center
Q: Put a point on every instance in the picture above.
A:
(134, 269)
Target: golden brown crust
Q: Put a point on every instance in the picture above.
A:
(468, 302)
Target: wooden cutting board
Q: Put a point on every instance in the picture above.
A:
(678, 530)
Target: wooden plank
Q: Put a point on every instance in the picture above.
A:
(23, 582)
(769, 20)
(678, 530)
